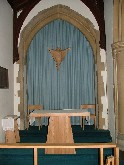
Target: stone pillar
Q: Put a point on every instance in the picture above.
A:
(118, 54)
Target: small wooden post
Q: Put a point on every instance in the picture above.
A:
(116, 155)
(101, 156)
(35, 156)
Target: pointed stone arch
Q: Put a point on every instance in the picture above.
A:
(39, 21)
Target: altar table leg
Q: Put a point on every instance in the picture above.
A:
(60, 131)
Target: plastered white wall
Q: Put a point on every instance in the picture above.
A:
(79, 7)
(6, 61)
(16, 88)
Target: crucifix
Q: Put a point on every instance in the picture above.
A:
(58, 55)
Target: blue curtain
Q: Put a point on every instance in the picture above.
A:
(74, 83)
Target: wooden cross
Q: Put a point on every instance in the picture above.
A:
(58, 55)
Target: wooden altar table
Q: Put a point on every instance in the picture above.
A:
(59, 128)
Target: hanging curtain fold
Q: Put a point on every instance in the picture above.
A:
(73, 83)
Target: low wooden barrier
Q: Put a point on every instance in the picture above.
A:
(36, 146)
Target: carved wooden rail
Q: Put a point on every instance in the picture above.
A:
(36, 146)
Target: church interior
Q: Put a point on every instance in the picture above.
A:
(61, 82)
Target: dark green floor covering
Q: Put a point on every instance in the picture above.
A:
(82, 156)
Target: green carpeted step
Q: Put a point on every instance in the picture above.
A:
(50, 159)
(34, 129)
(34, 135)
(68, 160)
(77, 131)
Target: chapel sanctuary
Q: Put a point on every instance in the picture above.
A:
(61, 82)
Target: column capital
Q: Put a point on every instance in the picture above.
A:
(117, 48)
